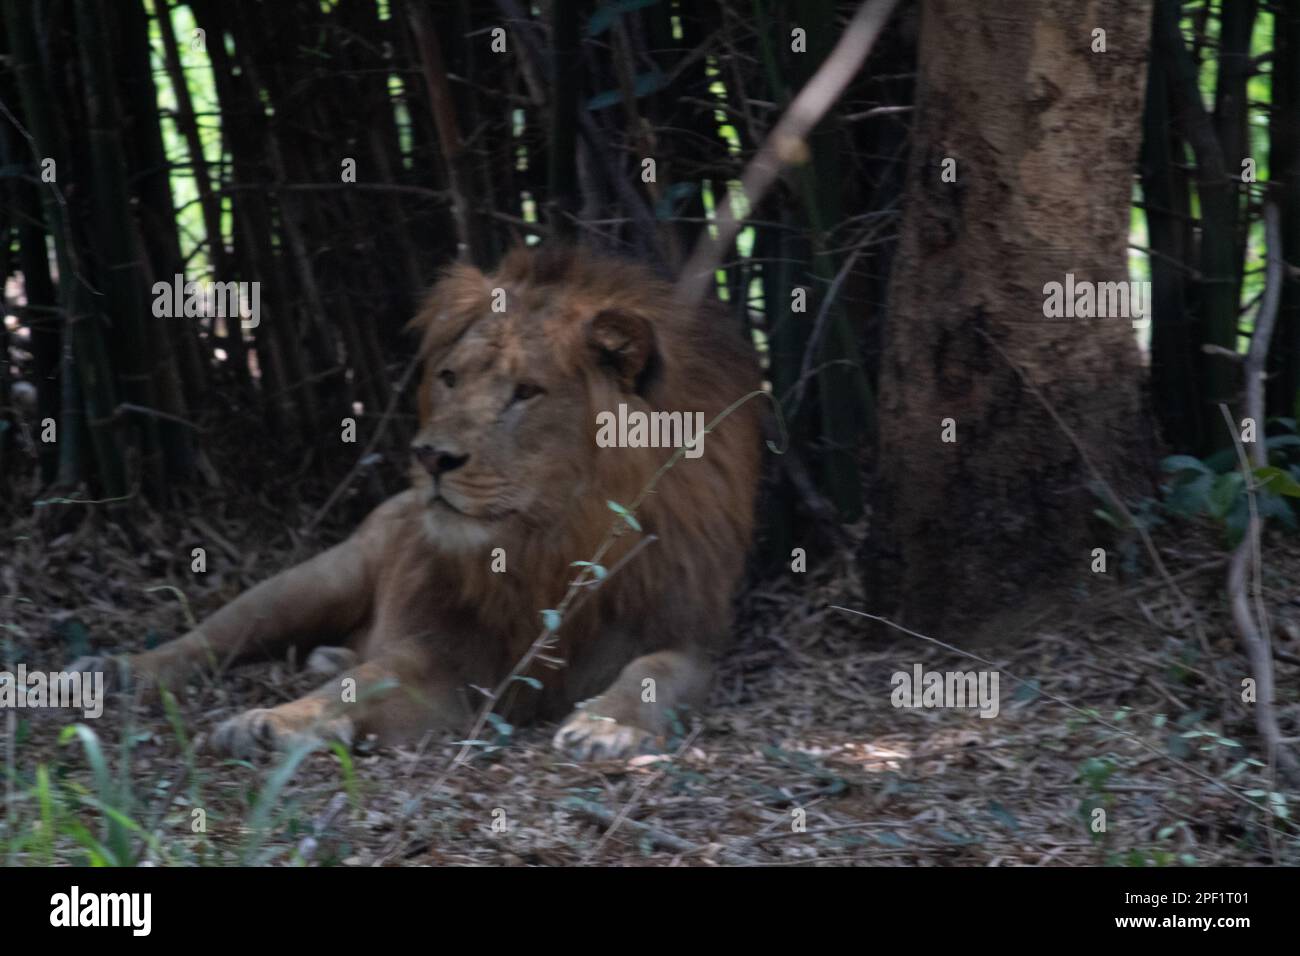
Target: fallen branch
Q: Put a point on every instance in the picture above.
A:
(669, 841)
(627, 808)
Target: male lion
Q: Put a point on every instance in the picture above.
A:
(517, 366)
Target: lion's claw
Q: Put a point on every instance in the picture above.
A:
(267, 729)
(588, 736)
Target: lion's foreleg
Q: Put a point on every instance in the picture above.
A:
(396, 697)
(637, 711)
(306, 606)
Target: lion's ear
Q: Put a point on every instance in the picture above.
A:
(624, 343)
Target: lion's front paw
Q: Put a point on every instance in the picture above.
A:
(588, 736)
(277, 729)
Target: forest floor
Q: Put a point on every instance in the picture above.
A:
(801, 760)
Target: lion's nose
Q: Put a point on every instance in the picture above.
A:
(437, 461)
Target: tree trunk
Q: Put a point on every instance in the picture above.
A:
(1044, 132)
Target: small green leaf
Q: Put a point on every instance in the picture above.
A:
(1223, 460)
(1277, 481)
(1227, 489)
(1177, 463)
(643, 84)
(1106, 516)
(500, 725)
(1190, 498)
(626, 515)
(1275, 506)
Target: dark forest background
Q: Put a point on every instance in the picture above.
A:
(339, 152)
(222, 157)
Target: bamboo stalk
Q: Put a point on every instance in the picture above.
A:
(126, 302)
(87, 376)
(455, 157)
(209, 202)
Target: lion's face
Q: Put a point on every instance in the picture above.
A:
(505, 431)
(508, 400)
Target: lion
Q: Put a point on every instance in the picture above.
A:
(442, 589)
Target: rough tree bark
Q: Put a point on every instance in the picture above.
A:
(1045, 135)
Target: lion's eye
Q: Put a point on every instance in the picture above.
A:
(526, 390)
(448, 377)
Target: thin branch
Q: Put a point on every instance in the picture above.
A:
(1254, 629)
(126, 408)
(785, 145)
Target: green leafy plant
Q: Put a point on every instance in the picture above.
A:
(1215, 488)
